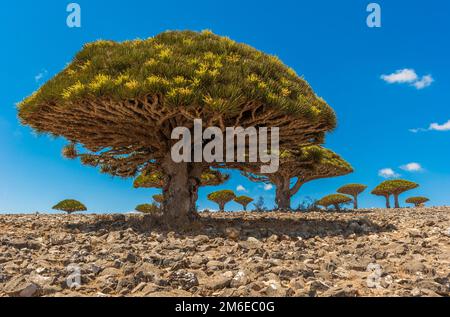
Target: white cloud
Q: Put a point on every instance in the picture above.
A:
(388, 173)
(424, 82)
(41, 75)
(268, 187)
(412, 167)
(440, 127)
(408, 76)
(401, 76)
(434, 127)
(241, 188)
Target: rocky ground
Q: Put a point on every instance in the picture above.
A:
(367, 253)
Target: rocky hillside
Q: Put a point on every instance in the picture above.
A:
(377, 252)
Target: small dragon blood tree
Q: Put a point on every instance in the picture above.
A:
(149, 209)
(336, 200)
(221, 198)
(395, 188)
(417, 201)
(301, 165)
(244, 201)
(353, 190)
(70, 206)
(120, 102)
(159, 199)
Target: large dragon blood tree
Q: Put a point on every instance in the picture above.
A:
(298, 167)
(119, 102)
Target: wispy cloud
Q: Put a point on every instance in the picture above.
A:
(412, 167)
(41, 75)
(408, 76)
(241, 188)
(433, 127)
(268, 187)
(388, 173)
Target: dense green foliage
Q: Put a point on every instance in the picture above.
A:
(70, 206)
(393, 187)
(158, 198)
(222, 197)
(417, 201)
(244, 201)
(335, 200)
(187, 68)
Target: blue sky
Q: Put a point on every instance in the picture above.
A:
(326, 41)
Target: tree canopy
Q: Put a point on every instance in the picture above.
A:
(417, 201)
(222, 197)
(158, 198)
(70, 206)
(121, 101)
(305, 164)
(244, 201)
(147, 209)
(394, 187)
(335, 200)
(352, 190)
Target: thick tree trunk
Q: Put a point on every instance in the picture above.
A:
(180, 192)
(355, 202)
(283, 194)
(397, 204)
(388, 204)
(222, 207)
(337, 207)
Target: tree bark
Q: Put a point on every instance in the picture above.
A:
(283, 194)
(180, 192)
(397, 204)
(222, 207)
(337, 207)
(355, 202)
(388, 204)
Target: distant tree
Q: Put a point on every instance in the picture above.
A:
(417, 201)
(260, 205)
(70, 206)
(221, 198)
(244, 201)
(301, 165)
(148, 209)
(336, 200)
(394, 187)
(308, 204)
(159, 199)
(353, 190)
(121, 101)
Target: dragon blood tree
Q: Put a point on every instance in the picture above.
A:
(352, 190)
(159, 199)
(244, 201)
(417, 201)
(395, 188)
(70, 206)
(222, 198)
(336, 200)
(305, 164)
(120, 102)
(209, 177)
(149, 209)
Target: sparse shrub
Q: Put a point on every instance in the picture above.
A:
(260, 205)
(151, 209)
(353, 190)
(221, 198)
(417, 201)
(393, 187)
(244, 201)
(307, 205)
(336, 200)
(70, 206)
